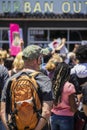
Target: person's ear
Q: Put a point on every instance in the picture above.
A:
(39, 60)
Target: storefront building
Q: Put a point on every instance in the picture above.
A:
(43, 21)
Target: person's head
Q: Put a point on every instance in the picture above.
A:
(8, 63)
(52, 63)
(58, 57)
(18, 62)
(46, 52)
(19, 55)
(81, 53)
(61, 75)
(4, 54)
(32, 56)
(72, 58)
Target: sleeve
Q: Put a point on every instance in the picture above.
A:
(4, 91)
(5, 76)
(45, 86)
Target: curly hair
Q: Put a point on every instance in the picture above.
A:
(61, 75)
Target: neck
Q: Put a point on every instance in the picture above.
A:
(31, 66)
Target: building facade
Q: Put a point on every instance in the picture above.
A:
(43, 21)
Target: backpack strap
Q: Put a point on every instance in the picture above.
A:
(28, 73)
(34, 74)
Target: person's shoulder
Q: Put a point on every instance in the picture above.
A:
(3, 70)
(14, 76)
(80, 70)
(2, 67)
(75, 69)
(43, 75)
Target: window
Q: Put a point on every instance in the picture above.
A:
(3, 36)
(38, 35)
(43, 36)
(54, 34)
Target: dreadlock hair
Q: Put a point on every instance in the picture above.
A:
(61, 75)
(81, 53)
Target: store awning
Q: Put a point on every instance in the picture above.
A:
(48, 16)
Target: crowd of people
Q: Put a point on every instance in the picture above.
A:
(62, 85)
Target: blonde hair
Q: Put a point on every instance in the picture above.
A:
(1, 60)
(19, 55)
(52, 63)
(18, 61)
(57, 57)
(3, 53)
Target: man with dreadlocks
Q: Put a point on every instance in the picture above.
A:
(62, 114)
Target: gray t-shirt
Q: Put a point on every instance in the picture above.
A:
(45, 89)
(3, 77)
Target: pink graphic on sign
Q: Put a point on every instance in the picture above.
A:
(14, 39)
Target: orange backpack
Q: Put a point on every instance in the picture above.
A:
(25, 102)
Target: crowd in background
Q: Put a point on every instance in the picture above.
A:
(68, 74)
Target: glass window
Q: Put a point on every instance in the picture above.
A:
(54, 34)
(4, 36)
(78, 35)
(83, 34)
(38, 35)
(43, 36)
(75, 35)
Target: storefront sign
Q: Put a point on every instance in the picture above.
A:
(42, 6)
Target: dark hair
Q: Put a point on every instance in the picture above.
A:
(8, 63)
(57, 51)
(81, 53)
(61, 75)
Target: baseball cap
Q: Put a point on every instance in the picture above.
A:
(32, 52)
(46, 51)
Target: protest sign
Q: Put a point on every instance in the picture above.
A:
(14, 37)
